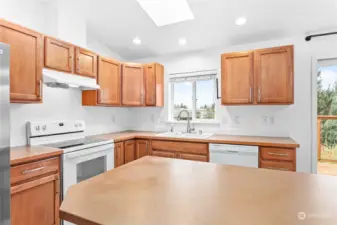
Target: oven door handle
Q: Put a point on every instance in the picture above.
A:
(100, 150)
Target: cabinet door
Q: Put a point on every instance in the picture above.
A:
(277, 165)
(109, 79)
(133, 85)
(130, 151)
(58, 55)
(159, 85)
(150, 84)
(119, 154)
(86, 63)
(142, 148)
(274, 75)
(237, 78)
(163, 154)
(26, 62)
(36, 202)
(201, 158)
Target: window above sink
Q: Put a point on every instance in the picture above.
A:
(195, 93)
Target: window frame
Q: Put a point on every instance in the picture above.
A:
(194, 102)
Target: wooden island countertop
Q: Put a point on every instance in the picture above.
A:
(281, 142)
(152, 191)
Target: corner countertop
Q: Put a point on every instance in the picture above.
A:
(281, 142)
(26, 154)
(154, 190)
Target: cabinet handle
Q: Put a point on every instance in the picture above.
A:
(33, 170)
(259, 95)
(278, 154)
(40, 86)
(275, 168)
(250, 94)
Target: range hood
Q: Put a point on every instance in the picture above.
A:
(58, 79)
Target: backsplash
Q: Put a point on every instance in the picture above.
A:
(66, 104)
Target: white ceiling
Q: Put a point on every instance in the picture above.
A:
(117, 22)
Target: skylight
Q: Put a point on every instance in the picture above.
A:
(165, 12)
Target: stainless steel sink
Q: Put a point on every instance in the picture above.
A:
(185, 135)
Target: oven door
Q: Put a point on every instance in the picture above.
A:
(84, 164)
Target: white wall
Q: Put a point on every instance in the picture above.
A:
(290, 121)
(59, 104)
(29, 13)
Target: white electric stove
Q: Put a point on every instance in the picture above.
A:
(83, 157)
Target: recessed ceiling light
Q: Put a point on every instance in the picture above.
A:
(137, 41)
(240, 21)
(182, 41)
(165, 12)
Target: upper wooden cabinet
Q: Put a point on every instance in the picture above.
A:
(86, 62)
(274, 75)
(58, 55)
(237, 78)
(26, 62)
(109, 80)
(264, 76)
(150, 84)
(154, 84)
(132, 84)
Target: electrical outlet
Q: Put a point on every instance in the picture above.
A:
(272, 120)
(113, 119)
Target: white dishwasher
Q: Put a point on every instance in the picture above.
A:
(237, 155)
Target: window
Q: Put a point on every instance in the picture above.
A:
(196, 94)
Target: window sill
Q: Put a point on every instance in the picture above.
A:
(215, 122)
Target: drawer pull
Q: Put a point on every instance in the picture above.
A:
(33, 170)
(275, 168)
(278, 154)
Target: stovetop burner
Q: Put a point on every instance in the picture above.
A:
(77, 144)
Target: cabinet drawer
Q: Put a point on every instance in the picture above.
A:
(277, 154)
(201, 158)
(163, 154)
(284, 166)
(34, 169)
(194, 148)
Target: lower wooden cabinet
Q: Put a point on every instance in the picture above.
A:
(163, 154)
(119, 154)
(277, 158)
(180, 150)
(129, 151)
(274, 165)
(142, 148)
(35, 193)
(193, 157)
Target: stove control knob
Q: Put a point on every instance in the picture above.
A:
(76, 125)
(79, 125)
(44, 127)
(37, 128)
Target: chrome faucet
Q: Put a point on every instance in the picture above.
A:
(188, 128)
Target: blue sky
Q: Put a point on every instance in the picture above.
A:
(205, 93)
(329, 76)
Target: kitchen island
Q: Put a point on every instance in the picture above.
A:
(153, 190)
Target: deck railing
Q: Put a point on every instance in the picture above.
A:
(320, 145)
